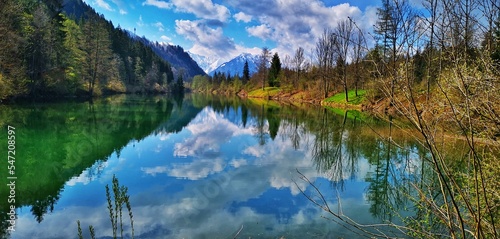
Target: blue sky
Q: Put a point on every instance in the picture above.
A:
(223, 29)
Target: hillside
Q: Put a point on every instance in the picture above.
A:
(177, 57)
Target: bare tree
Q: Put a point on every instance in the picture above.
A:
(326, 58)
(262, 68)
(394, 21)
(343, 33)
(298, 64)
(358, 50)
(431, 6)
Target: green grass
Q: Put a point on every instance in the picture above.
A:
(267, 103)
(268, 91)
(353, 99)
(351, 114)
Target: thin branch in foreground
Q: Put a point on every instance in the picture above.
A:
(342, 220)
(238, 233)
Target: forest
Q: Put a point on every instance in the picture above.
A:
(65, 49)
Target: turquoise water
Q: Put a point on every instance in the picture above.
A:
(204, 167)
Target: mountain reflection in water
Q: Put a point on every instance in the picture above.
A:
(204, 167)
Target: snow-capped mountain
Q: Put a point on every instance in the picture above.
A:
(208, 64)
(235, 66)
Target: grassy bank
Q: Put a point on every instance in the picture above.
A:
(338, 100)
(267, 92)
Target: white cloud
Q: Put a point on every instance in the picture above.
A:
(209, 131)
(121, 6)
(238, 163)
(242, 17)
(206, 40)
(140, 23)
(210, 41)
(154, 170)
(88, 175)
(289, 24)
(293, 23)
(204, 9)
(104, 5)
(160, 26)
(165, 38)
(198, 169)
(157, 3)
(262, 31)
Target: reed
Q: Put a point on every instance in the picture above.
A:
(115, 204)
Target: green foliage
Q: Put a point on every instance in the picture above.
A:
(274, 71)
(495, 52)
(179, 84)
(62, 140)
(12, 71)
(246, 73)
(237, 84)
(264, 93)
(48, 53)
(120, 198)
(353, 99)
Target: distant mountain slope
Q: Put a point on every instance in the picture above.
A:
(208, 64)
(235, 66)
(175, 55)
(178, 58)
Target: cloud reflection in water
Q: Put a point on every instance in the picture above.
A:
(206, 182)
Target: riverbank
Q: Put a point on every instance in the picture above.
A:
(356, 101)
(400, 110)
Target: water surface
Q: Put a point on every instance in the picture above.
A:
(204, 167)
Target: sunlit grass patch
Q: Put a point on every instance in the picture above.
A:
(267, 92)
(353, 99)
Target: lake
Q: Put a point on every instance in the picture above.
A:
(205, 167)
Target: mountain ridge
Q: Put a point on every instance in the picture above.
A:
(176, 56)
(235, 65)
(208, 64)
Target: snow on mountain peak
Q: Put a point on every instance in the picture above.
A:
(235, 66)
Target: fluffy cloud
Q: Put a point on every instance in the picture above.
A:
(262, 31)
(104, 5)
(158, 4)
(206, 40)
(242, 17)
(198, 169)
(209, 131)
(204, 9)
(210, 41)
(289, 24)
(294, 23)
(121, 6)
(140, 23)
(160, 26)
(167, 39)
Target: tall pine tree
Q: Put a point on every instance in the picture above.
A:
(274, 71)
(246, 73)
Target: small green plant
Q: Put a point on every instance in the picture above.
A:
(120, 198)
